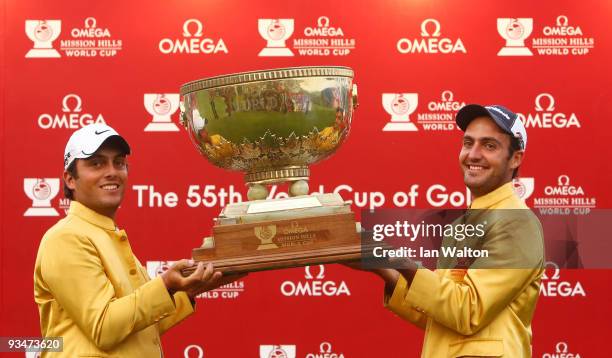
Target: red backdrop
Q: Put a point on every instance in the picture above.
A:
(97, 62)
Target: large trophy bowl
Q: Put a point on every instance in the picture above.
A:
(272, 125)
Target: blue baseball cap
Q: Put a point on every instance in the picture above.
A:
(505, 119)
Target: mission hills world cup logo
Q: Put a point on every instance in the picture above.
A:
(41, 191)
(400, 106)
(90, 41)
(161, 106)
(437, 114)
(277, 351)
(275, 32)
(515, 32)
(42, 33)
(564, 198)
(523, 187)
(563, 38)
(324, 39)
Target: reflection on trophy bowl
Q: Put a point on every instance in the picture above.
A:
(270, 124)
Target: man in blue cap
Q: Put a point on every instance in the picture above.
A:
(475, 310)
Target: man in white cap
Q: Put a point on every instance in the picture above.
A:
(479, 308)
(89, 287)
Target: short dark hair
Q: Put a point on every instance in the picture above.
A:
(72, 170)
(515, 144)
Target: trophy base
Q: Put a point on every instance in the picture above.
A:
(161, 127)
(246, 264)
(515, 51)
(280, 233)
(41, 212)
(42, 53)
(275, 52)
(400, 127)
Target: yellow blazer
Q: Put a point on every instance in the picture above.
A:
(92, 291)
(480, 312)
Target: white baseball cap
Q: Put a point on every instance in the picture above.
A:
(86, 141)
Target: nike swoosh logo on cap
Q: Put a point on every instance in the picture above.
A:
(98, 133)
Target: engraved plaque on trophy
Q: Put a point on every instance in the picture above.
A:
(272, 125)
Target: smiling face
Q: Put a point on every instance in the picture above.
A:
(485, 157)
(100, 181)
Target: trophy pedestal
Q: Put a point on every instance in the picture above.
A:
(514, 51)
(161, 127)
(275, 51)
(280, 233)
(42, 52)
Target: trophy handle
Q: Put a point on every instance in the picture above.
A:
(355, 99)
(182, 118)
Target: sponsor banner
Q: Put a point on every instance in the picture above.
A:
(564, 198)
(562, 39)
(436, 114)
(546, 115)
(554, 286)
(431, 41)
(72, 115)
(41, 191)
(523, 187)
(314, 284)
(325, 351)
(400, 106)
(324, 39)
(192, 41)
(515, 32)
(561, 351)
(276, 32)
(230, 291)
(277, 351)
(42, 33)
(193, 351)
(558, 39)
(90, 40)
(87, 40)
(161, 107)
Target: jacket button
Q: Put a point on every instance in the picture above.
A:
(132, 271)
(123, 238)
